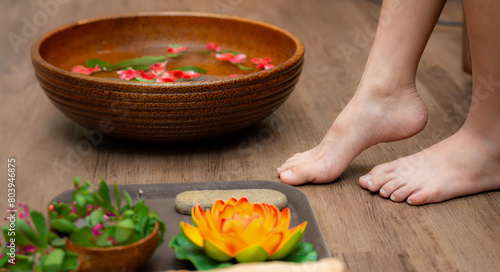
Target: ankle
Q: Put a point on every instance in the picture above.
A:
(486, 139)
(384, 86)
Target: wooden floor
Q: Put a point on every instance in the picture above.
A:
(365, 231)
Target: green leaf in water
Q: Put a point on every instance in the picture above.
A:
(192, 68)
(140, 79)
(243, 67)
(176, 55)
(146, 60)
(93, 62)
(228, 51)
(204, 52)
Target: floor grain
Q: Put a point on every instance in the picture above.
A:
(365, 231)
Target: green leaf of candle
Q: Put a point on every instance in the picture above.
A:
(303, 252)
(184, 250)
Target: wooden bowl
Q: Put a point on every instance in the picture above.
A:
(120, 258)
(213, 106)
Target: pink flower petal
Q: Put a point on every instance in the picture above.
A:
(263, 64)
(240, 58)
(175, 50)
(236, 75)
(224, 56)
(268, 66)
(213, 47)
(158, 68)
(113, 241)
(85, 70)
(97, 229)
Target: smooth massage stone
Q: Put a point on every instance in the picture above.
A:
(185, 201)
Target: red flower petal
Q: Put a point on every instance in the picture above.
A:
(213, 47)
(265, 60)
(166, 77)
(129, 74)
(190, 74)
(175, 73)
(148, 75)
(237, 75)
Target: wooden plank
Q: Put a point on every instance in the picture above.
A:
(362, 229)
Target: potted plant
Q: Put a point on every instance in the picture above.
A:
(107, 234)
(236, 231)
(31, 246)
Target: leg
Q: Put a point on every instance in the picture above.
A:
(386, 106)
(468, 162)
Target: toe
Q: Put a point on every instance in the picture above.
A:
(383, 169)
(366, 181)
(297, 175)
(294, 176)
(308, 171)
(419, 198)
(390, 187)
(378, 177)
(291, 163)
(402, 193)
(373, 182)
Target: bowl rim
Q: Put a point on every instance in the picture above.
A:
(234, 82)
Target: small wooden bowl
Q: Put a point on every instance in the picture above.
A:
(167, 112)
(120, 258)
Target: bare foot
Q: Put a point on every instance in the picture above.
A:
(374, 115)
(458, 166)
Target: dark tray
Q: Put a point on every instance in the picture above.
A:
(161, 197)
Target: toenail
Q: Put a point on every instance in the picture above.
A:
(287, 173)
(279, 168)
(370, 183)
(409, 202)
(393, 198)
(382, 192)
(367, 177)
